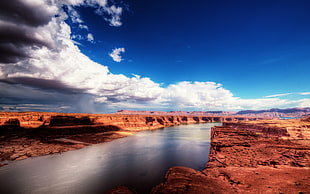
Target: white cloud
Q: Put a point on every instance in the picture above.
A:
(304, 103)
(77, 36)
(101, 8)
(278, 95)
(286, 94)
(205, 95)
(83, 26)
(74, 15)
(90, 37)
(116, 54)
(48, 71)
(114, 12)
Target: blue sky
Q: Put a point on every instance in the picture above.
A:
(254, 48)
(168, 55)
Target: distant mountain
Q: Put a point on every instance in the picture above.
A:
(273, 113)
(216, 113)
(289, 110)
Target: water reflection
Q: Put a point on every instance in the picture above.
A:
(139, 161)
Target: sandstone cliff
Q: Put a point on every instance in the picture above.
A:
(294, 129)
(245, 158)
(129, 122)
(29, 134)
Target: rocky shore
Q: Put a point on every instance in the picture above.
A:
(30, 134)
(271, 156)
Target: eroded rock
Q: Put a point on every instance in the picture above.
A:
(29, 134)
(247, 161)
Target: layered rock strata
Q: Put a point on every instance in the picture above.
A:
(28, 134)
(133, 122)
(293, 129)
(245, 158)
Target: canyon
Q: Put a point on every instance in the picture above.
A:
(265, 156)
(247, 155)
(29, 134)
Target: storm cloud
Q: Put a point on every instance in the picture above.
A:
(43, 69)
(27, 12)
(18, 27)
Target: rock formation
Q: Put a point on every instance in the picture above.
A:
(30, 134)
(307, 119)
(249, 157)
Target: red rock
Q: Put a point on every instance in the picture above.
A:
(121, 190)
(246, 161)
(29, 134)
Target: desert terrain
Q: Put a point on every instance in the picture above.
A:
(30, 134)
(265, 156)
(247, 154)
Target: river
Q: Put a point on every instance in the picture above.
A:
(139, 161)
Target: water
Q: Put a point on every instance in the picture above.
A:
(289, 117)
(139, 161)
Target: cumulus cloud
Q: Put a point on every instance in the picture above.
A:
(23, 24)
(42, 68)
(82, 26)
(17, 38)
(90, 37)
(20, 19)
(197, 94)
(75, 17)
(112, 13)
(115, 13)
(116, 54)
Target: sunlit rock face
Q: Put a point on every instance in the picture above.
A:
(123, 121)
(249, 157)
(29, 134)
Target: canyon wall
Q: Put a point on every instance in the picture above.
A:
(293, 129)
(249, 157)
(129, 122)
(28, 134)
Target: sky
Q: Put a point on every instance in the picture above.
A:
(100, 56)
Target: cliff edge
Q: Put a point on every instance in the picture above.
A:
(29, 134)
(249, 157)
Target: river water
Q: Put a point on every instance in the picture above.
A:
(139, 161)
